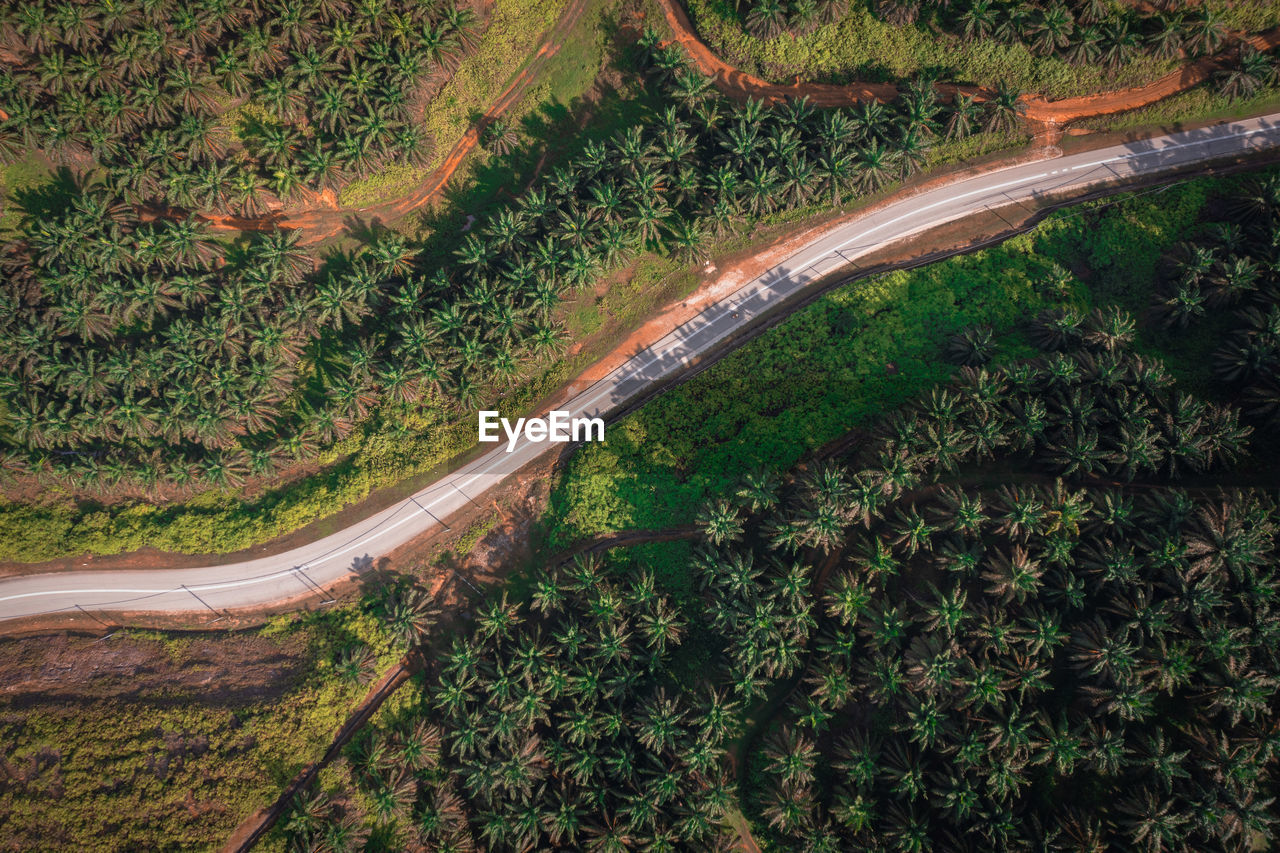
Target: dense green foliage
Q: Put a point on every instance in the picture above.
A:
(553, 723)
(865, 45)
(1082, 31)
(132, 356)
(218, 105)
(1049, 663)
(1233, 266)
(769, 18)
(140, 352)
(1038, 667)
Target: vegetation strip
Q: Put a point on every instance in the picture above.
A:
(1035, 108)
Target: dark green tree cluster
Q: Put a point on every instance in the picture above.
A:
(1039, 667)
(1084, 32)
(553, 725)
(141, 352)
(1033, 666)
(767, 19)
(763, 611)
(138, 351)
(1233, 268)
(142, 87)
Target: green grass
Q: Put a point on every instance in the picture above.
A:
(513, 32)
(387, 183)
(827, 369)
(1250, 17)
(557, 116)
(19, 175)
(178, 769)
(862, 47)
(1200, 104)
(506, 47)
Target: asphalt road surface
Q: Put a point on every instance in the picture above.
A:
(309, 569)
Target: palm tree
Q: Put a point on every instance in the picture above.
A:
(408, 613)
(790, 757)
(1206, 30)
(876, 165)
(973, 347)
(759, 489)
(1003, 110)
(1109, 329)
(499, 137)
(1166, 42)
(1251, 72)
(687, 238)
(1052, 28)
(1013, 576)
(766, 18)
(1151, 823)
(789, 808)
(965, 115)
(979, 19)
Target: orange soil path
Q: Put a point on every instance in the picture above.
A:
(1120, 100)
(1037, 108)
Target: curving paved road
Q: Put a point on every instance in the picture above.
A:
(308, 569)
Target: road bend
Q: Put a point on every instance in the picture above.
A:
(303, 573)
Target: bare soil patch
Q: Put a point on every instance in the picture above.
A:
(230, 669)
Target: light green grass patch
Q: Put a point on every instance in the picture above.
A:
(861, 350)
(389, 182)
(30, 171)
(514, 31)
(862, 47)
(1200, 104)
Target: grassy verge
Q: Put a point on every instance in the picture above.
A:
(863, 349)
(177, 767)
(19, 175)
(862, 47)
(1200, 104)
(387, 183)
(507, 45)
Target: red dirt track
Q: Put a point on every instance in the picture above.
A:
(1105, 103)
(1037, 108)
